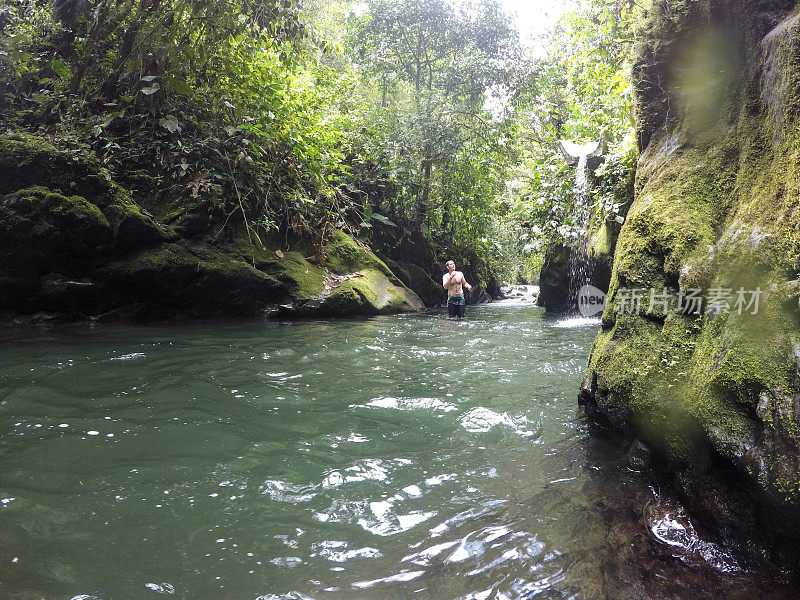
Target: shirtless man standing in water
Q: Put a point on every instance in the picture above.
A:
(454, 282)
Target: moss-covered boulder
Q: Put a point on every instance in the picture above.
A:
(300, 278)
(714, 389)
(370, 291)
(131, 227)
(190, 279)
(417, 279)
(43, 231)
(61, 217)
(48, 244)
(27, 161)
(354, 282)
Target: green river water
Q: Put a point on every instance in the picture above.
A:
(387, 458)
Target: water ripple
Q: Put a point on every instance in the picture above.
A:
(370, 459)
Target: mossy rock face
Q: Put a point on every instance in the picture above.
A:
(370, 292)
(179, 278)
(602, 244)
(74, 214)
(27, 161)
(303, 278)
(42, 231)
(354, 282)
(716, 393)
(418, 280)
(131, 228)
(370, 288)
(99, 252)
(346, 255)
(430, 292)
(554, 280)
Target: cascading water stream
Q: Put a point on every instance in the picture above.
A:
(579, 268)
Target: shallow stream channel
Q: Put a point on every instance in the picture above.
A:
(397, 457)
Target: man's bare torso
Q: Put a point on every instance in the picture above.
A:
(456, 281)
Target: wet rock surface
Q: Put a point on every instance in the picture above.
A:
(554, 280)
(657, 549)
(555, 277)
(714, 392)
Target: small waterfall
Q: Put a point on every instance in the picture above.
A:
(579, 270)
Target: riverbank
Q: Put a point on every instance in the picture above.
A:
(75, 245)
(712, 389)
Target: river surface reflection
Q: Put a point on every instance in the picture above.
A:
(388, 458)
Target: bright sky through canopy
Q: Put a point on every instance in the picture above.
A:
(535, 17)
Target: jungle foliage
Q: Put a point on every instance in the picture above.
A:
(581, 92)
(298, 118)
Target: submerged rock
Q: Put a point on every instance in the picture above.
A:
(714, 391)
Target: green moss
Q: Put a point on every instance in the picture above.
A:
(601, 244)
(159, 258)
(27, 160)
(185, 261)
(370, 287)
(370, 292)
(346, 255)
(41, 204)
(41, 201)
(722, 215)
(303, 279)
(194, 279)
(119, 211)
(75, 205)
(668, 232)
(358, 291)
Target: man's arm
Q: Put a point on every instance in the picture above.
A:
(467, 285)
(446, 281)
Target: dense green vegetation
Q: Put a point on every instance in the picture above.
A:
(395, 118)
(582, 91)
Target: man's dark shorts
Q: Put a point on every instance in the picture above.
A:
(456, 307)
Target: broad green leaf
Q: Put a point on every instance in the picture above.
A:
(180, 86)
(61, 68)
(149, 91)
(383, 219)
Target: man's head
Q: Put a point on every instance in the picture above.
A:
(450, 266)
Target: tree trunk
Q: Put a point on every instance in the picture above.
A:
(426, 184)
